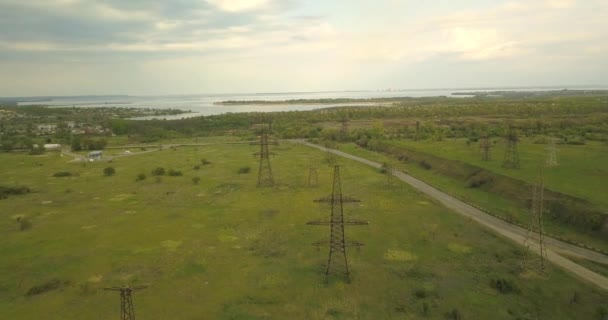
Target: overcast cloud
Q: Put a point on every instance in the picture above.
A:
(70, 47)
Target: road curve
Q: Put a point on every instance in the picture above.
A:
(510, 231)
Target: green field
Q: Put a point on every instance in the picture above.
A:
(224, 249)
(582, 170)
(586, 159)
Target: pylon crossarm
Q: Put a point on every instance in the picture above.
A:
(321, 243)
(350, 243)
(330, 199)
(318, 223)
(346, 223)
(355, 222)
(138, 288)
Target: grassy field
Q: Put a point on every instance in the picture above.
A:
(582, 169)
(489, 201)
(223, 249)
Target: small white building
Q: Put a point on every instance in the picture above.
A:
(46, 128)
(95, 155)
(52, 146)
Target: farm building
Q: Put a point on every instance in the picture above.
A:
(95, 155)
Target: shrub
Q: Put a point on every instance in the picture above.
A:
(48, 286)
(425, 165)
(503, 286)
(109, 171)
(453, 315)
(243, 170)
(477, 181)
(601, 313)
(196, 180)
(196, 167)
(205, 162)
(576, 140)
(160, 171)
(6, 191)
(140, 177)
(62, 174)
(420, 293)
(175, 173)
(24, 224)
(36, 151)
(402, 157)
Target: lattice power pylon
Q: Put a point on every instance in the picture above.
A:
(389, 170)
(313, 176)
(551, 154)
(265, 177)
(484, 147)
(126, 302)
(337, 264)
(344, 127)
(330, 157)
(535, 229)
(511, 159)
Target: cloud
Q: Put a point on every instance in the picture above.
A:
(284, 42)
(238, 5)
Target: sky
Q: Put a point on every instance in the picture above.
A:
(153, 47)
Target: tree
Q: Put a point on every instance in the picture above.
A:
(109, 171)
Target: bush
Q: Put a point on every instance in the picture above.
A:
(140, 177)
(601, 313)
(160, 171)
(402, 157)
(576, 140)
(49, 286)
(243, 170)
(196, 167)
(109, 171)
(503, 286)
(205, 162)
(425, 165)
(478, 181)
(36, 151)
(453, 315)
(24, 224)
(420, 293)
(175, 173)
(6, 191)
(196, 180)
(62, 174)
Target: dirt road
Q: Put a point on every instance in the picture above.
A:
(515, 233)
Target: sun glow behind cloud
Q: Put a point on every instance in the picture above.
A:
(195, 46)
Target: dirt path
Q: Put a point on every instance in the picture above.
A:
(515, 233)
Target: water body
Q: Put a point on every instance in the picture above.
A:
(203, 105)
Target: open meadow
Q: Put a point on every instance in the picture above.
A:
(217, 247)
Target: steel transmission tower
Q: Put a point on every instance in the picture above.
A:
(330, 157)
(313, 176)
(344, 128)
(551, 154)
(337, 264)
(535, 229)
(126, 303)
(265, 177)
(389, 170)
(511, 159)
(484, 146)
